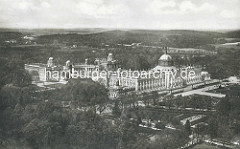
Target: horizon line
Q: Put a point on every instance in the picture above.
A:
(112, 28)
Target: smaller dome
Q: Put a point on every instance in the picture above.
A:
(110, 57)
(68, 63)
(165, 57)
(50, 62)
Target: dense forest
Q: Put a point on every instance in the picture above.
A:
(180, 39)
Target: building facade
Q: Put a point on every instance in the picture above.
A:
(165, 76)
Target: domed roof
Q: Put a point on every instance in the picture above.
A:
(165, 57)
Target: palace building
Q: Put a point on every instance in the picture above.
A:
(165, 76)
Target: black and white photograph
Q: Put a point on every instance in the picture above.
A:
(119, 74)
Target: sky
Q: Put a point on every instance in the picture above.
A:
(129, 14)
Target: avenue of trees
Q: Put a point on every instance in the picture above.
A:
(194, 102)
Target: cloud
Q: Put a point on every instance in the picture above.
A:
(162, 4)
(24, 5)
(160, 7)
(229, 14)
(97, 8)
(150, 14)
(189, 6)
(45, 5)
(182, 8)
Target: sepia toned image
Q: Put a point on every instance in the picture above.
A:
(119, 74)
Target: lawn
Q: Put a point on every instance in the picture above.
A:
(205, 146)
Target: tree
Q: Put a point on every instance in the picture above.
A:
(9, 96)
(212, 127)
(145, 99)
(131, 99)
(116, 108)
(22, 78)
(168, 139)
(187, 127)
(85, 92)
(12, 72)
(154, 96)
(223, 107)
(160, 125)
(35, 132)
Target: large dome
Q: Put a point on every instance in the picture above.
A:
(165, 60)
(165, 57)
